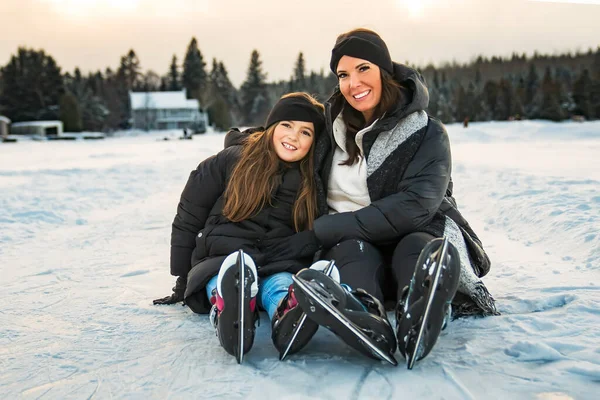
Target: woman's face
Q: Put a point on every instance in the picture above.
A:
(360, 84)
(292, 139)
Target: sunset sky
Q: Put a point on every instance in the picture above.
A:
(93, 34)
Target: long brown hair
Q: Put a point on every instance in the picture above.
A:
(391, 95)
(256, 176)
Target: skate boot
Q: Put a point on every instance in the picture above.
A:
(291, 329)
(356, 317)
(425, 306)
(234, 312)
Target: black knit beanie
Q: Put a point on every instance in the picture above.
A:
(365, 45)
(296, 108)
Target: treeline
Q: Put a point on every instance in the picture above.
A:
(33, 87)
(539, 87)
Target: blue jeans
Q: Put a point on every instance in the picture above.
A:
(271, 290)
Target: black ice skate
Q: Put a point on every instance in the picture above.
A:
(234, 313)
(291, 329)
(356, 317)
(425, 305)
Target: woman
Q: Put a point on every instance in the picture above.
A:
(384, 181)
(248, 197)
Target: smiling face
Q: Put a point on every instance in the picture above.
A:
(360, 84)
(292, 139)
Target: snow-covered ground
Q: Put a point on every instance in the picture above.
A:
(84, 248)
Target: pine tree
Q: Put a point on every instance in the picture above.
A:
(70, 113)
(32, 86)
(490, 97)
(595, 90)
(194, 78)
(582, 95)
(129, 71)
(92, 108)
(255, 100)
(504, 101)
(219, 112)
(173, 78)
(551, 108)
(127, 79)
(531, 92)
(463, 105)
(299, 78)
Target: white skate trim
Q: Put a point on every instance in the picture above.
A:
(231, 261)
(321, 265)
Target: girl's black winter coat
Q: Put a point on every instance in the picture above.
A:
(200, 231)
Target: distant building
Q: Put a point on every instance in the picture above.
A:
(50, 129)
(166, 110)
(4, 126)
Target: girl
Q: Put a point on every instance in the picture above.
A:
(257, 191)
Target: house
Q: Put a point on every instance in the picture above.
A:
(4, 125)
(166, 110)
(47, 129)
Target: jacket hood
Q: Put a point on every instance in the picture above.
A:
(234, 137)
(417, 95)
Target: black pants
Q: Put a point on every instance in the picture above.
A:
(381, 271)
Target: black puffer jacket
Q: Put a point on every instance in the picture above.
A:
(408, 176)
(200, 231)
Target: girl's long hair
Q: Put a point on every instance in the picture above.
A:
(258, 173)
(391, 95)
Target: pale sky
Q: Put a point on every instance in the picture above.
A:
(93, 34)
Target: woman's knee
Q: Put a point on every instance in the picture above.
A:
(352, 249)
(412, 243)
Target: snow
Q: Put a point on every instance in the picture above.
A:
(84, 248)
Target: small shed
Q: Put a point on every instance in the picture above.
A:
(49, 129)
(4, 126)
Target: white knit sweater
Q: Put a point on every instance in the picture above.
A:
(347, 189)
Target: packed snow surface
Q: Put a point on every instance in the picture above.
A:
(84, 248)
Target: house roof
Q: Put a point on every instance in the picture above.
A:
(37, 123)
(4, 119)
(161, 100)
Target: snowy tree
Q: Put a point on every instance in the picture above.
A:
(32, 86)
(582, 95)
(194, 78)
(92, 107)
(255, 101)
(129, 71)
(173, 82)
(531, 92)
(70, 113)
(551, 108)
(299, 78)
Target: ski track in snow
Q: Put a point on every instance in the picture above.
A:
(84, 248)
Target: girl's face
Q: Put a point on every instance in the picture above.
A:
(360, 84)
(292, 139)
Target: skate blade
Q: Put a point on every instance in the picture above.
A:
(439, 262)
(311, 293)
(328, 271)
(283, 355)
